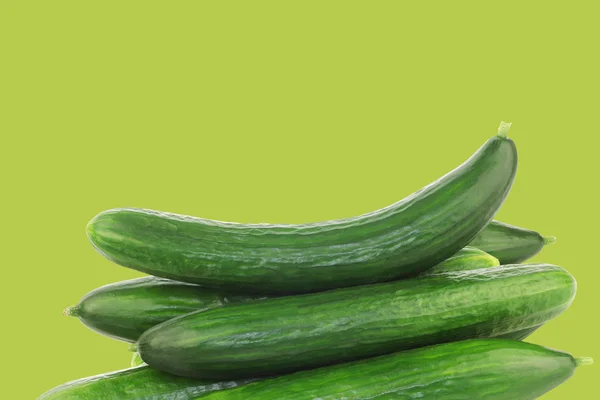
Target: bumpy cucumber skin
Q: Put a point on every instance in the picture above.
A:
(400, 240)
(286, 334)
(124, 310)
(466, 259)
(490, 369)
(510, 244)
(140, 383)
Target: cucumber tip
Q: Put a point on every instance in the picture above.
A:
(549, 240)
(503, 129)
(133, 347)
(584, 361)
(72, 311)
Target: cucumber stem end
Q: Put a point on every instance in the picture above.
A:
(549, 240)
(504, 128)
(72, 311)
(133, 347)
(583, 361)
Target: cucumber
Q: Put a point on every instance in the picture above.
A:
(466, 259)
(403, 239)
(139, 383)
(477, 369)
(510, 244)
(136, 360)
(286, 334)
(124, 310)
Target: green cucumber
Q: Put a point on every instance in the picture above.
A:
(403, 239)
(510, 244)
(286, 334)
(139, 383)
(136, 360)
(466, 259)
(476, 369)
(124, 310)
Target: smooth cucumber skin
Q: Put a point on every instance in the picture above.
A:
(490, 369)
(124, 310)
(397, 241)
(287, 334)
(466, 259)
(510, 244)
(140, 383)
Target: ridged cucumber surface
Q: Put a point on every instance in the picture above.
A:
(286, 334)
(510, 244)
(140, 383)
(124, 310)
(478, 369)
(397, 241)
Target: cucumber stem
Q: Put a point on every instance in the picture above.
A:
(549, 240)
(583, 361)
(72, 311)
(133, 347)
(504, 128)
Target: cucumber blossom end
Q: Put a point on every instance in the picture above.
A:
(549, 240)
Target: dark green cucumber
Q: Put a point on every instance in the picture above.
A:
(124, 310)
(490, 369)
(285, 334)
(466, 259)
(140, 383)
(510, 244)
(397, 241)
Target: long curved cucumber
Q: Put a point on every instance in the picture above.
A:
(124, 310)
(475, 369)
(509, 243)
(139, 383)
(403, 239)
(286, 334)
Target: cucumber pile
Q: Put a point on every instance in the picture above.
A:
(421, 299)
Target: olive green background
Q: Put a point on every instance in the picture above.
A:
(271, 111)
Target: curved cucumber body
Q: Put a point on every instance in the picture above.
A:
(140, 383)
(475, 369)
(510, 244)
(286, 334)
(124, 310)
(400, 240)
